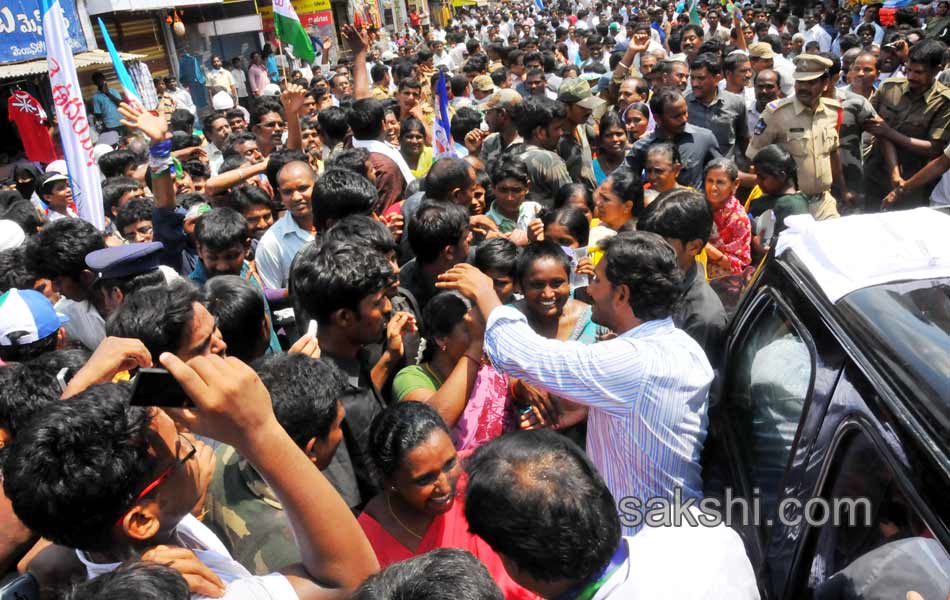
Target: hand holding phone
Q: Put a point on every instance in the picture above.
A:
(157, 387)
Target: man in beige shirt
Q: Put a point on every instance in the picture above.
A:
(806, 126)
(219, 77)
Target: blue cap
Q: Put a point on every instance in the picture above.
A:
(126, 260)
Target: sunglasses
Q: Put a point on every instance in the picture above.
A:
(180, 461)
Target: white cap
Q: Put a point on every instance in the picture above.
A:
(11, 235)
(222, 101)
(58, 166)
(271, 89)
(99, 149)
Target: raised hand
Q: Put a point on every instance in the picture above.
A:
(356, 39)
(400, 324)
(155, 127)
(112, 356)
(293, 98)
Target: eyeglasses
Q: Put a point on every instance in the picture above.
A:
(183, 442)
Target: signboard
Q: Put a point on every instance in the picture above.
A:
(312, 14)
(21, 30)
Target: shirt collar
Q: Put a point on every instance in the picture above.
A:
(650, 328)
(290, 227)
(499, 218)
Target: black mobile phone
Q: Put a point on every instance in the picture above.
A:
(157, 387)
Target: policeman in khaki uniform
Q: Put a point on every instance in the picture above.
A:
(806, 126)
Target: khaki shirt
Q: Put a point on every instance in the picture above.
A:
(810, 137)
(925, 116)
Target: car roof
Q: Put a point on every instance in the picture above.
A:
(897, 333)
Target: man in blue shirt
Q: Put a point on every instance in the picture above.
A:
(105, 105)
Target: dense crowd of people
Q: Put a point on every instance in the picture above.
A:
(414, 374)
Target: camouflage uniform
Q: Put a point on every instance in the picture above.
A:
(548, 172)
(246, 515)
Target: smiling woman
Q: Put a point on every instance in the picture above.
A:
(419, 510)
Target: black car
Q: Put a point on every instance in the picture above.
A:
(828, 401)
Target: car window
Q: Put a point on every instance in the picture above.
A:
(769, 384)
(880, 540)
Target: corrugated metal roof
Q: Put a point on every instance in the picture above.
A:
(83, 60)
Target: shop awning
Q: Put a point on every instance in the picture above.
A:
(83, 60)
(98, 7)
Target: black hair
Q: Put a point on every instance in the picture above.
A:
(234, 140)
(137, 209)
(234, 113)
(17, 352)
(679, 214)
(532, 253)
(211, 117)
(439, 316)
(13, 207)
(60, 248)
(534, 112)
(446, 175)
(159, 316)
(611, 119)
(574, 219)
(775, 160)
(116, 162)
(378, 72)
(667, 148)
(351, 159)
(182, 140)
(197, 169)
(411, 124)
(13, 271)
(329, 277)
(733, 61)
(442, 574)
(516, 484)
(221, 229)
(458, 84)
(362, 230)
(647, 265)
(568, 191)
(245, 197)
(305, 393)
(142, 580)
(709, 61)
(333, 123)
(664, 97)
(928, 52)
(114, 188)
(29, 387)
(499, 76)
(510, 168)
(435, 226)
(339, 193)
(497, 254)
(277, 160)
(238, 309)
(76, 468)
(261, 107)
(397, 430)
(182, 120)
(131, 283)
(366, 118)
(465, 120)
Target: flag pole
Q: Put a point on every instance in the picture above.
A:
(283, 65)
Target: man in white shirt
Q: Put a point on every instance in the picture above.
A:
(181, 95)
(277, 249)
(240, 81)
(583, 554)
(157, 476)
(814, 32)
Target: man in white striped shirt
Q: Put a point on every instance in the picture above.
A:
(646, 389)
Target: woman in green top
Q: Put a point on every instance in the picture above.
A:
(445, 377)
(777, 176)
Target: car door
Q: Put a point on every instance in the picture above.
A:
(781, 366)
(874, 520)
